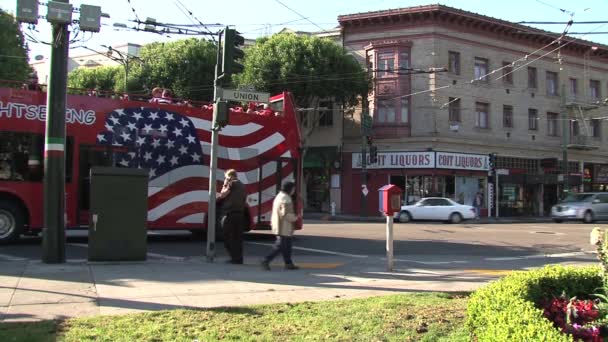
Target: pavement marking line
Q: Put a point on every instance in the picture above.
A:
(538, 256)
(165, 257)
(6, 257)
(314, 250)
(490, 272)
(430, 262)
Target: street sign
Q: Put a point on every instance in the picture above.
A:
(364, 190)
(243, 95)
(366, 124)
(503, 172)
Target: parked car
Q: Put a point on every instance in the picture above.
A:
(435, 208)
(588, 207)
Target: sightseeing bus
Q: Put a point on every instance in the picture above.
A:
(171, 141)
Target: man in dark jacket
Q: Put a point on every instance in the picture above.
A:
(233, 204)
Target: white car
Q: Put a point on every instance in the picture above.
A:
(437, 209)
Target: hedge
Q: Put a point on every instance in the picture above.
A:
(505, 310)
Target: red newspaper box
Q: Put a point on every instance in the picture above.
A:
(389, 199)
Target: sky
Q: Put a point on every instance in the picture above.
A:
(262, 17)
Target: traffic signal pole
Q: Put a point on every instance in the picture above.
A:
(53, 233)
(227, 52)
(212, 203)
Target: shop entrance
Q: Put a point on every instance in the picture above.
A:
(400, 182)
(549, 198)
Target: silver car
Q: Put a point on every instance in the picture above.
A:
(587, 207)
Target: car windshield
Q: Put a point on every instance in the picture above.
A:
(577, 198)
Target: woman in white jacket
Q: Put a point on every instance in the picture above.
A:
(282, 223)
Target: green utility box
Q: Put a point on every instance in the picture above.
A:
(118, 214)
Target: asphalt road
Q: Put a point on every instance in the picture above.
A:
(423, 245)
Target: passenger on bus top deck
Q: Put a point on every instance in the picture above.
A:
(157, 93)
(166, 97)
(32, 82)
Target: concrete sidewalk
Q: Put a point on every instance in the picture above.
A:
(31, 290)
(481, 220)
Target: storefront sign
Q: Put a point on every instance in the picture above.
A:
(398, 160)
(601, 174)
(462, 161)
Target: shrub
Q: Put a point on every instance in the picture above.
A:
(505, 310)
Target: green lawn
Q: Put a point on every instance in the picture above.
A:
(407, 317)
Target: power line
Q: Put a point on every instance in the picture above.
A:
(133, 9)
(557, 8)
(192, 16)
(561, 22)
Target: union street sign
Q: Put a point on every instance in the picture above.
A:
(243, 95)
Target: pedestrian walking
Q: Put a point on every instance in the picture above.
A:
(478, 203)
(282, 222)
(233, 201)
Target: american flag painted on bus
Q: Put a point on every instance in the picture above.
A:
(175, 150)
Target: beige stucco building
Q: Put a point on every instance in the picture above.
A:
(89, 59)
(500, 93)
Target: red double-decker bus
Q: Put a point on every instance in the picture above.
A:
(171, 141)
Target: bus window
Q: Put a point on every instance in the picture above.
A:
(22, 157)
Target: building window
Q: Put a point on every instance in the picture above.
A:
(507, 72)
(552, 83)
(454, 108)
(532, 78)
(386, 63)
(386, 111)
(405, 109)
(481, 69)
(594, 89)
(404, 61)
(326, 114)
(393, 111)
(574, 87)
(482, 116)
(552, 126)
(454, 62)
(575, 128)
(507, 116)
(532, 119)
(596, 128)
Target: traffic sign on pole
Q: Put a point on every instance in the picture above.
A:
(243, 95)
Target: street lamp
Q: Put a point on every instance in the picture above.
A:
(123, 58)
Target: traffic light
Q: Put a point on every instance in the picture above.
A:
(231, 52)
(373, 154)
(492, 161)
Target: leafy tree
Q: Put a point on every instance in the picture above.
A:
(187, 67)
(102, 78)
(311, 68)
(13, 51)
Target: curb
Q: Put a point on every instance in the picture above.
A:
(376, 219)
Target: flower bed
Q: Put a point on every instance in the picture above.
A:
(510, 309)
(554, 303)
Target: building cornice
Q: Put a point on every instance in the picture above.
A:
(449, 16)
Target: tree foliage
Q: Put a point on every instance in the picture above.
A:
(309, 67)
(187, 67)
(102, 78)
(13, 51)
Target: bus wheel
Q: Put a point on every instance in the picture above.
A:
(11, 222)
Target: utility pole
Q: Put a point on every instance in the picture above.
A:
(53, 233)
(366, 127)
(565, 139)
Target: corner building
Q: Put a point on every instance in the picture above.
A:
(507, 89)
